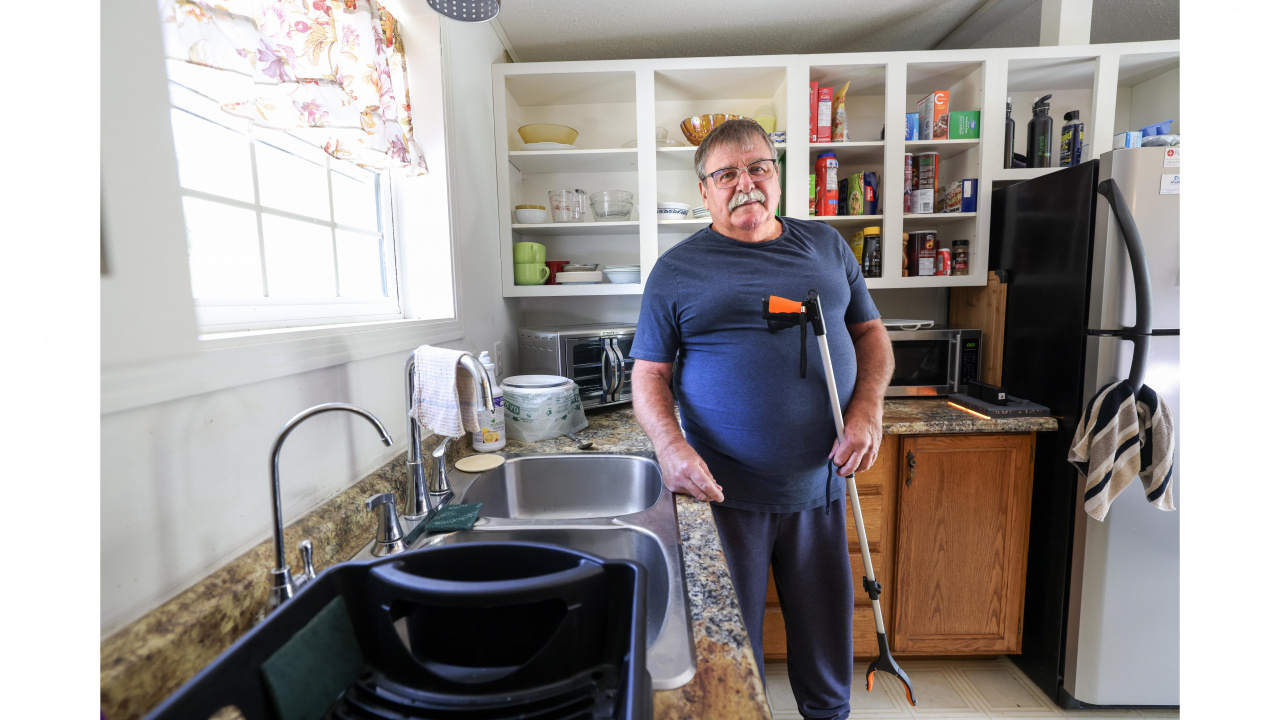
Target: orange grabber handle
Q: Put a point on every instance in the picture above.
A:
(783, 305)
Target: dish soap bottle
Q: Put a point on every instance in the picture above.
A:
(1070, 151)
(1039, 134)
(1008, 133)
(492, 435)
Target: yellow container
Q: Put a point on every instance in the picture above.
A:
(546, 132)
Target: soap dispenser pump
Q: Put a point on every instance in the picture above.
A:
(1040, 134)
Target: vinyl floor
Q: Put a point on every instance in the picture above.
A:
(948, 689)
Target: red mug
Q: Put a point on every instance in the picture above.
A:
(555, 266)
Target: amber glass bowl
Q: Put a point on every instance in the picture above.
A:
(697, 128)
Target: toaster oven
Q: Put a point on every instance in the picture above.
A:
(595, 356)
(936, 361)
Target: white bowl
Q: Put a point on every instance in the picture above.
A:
(530, 216)
(621, 277)
(579, 278)
(672, 211)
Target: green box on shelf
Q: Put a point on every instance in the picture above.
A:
(964, 124)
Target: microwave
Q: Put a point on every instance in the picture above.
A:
(935, 361)
(596, 357)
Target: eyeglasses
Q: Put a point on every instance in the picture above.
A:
(757, 171)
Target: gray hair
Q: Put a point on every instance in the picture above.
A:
(740, 133)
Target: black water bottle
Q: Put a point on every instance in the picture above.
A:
(1040, 134)
(1009, 129)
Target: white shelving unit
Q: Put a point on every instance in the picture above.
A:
(612, 102)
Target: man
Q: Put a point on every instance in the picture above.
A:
(756, 436)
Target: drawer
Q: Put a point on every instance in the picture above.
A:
(872, 516)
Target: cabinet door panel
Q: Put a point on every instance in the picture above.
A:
(885, 471)
(872, 517)
(961, 545)
(864, 624)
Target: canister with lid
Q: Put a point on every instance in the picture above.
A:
(922, 249)
(872, 251)
(960, 257)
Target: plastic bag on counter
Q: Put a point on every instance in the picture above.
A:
(543, 414)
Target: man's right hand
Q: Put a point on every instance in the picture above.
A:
(683, 471)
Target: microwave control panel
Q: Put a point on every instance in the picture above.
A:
(970, 359)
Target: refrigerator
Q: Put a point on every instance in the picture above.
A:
(1100, 623)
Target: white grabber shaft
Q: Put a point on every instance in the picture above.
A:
(834, 394)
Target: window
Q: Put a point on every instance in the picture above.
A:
(279, 233)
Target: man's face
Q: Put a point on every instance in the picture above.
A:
(735, 208)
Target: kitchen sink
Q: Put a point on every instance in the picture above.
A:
(611, 505)
(558, 487)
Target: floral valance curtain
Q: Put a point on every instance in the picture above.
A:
(332, 71)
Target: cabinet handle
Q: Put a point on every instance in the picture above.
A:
(911, 467)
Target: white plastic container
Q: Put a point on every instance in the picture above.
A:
(541, 407)
(493, 425)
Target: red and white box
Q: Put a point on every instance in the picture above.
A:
(824, 114)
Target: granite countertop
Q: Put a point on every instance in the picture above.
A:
(147, 660)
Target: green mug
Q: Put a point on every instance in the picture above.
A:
(531, 273)
(531, 253)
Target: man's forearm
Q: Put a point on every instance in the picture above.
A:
(655, 409)
(875, 367)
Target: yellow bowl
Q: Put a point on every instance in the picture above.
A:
(545, 132)
(697, 128)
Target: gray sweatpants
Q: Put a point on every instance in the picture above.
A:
(809, 552)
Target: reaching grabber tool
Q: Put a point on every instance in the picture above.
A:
(782, 313)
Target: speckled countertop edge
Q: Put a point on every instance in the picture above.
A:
(147, 660)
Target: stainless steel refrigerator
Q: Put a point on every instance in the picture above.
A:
(1100, 623)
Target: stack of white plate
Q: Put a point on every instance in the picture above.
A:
(579, 277)
(621, 274)
(548, 146)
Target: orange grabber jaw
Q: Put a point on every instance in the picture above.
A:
(775, 305)
(885, 663)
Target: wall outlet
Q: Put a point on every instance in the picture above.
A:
(497, 358)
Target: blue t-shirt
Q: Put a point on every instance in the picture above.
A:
(763, 431)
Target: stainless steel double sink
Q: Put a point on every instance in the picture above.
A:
(611, 505)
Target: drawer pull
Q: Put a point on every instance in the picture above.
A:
(911, 467)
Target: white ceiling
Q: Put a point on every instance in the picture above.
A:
(546, 30)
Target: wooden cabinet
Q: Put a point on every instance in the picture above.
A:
(946, 519)
(877, 489)
(963, 511)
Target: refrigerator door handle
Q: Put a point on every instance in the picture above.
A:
(1141, 280)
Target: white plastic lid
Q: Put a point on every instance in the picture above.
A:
(536, 381)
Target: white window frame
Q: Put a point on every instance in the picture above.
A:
(218, 315)
(173, 366)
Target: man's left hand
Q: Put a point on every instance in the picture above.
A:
(862, 436)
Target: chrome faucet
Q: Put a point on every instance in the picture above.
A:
(283, 584)
(425, 498)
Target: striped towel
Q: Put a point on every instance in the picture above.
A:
(444, 394)
(1122, 436)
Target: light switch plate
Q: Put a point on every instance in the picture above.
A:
(497, 358)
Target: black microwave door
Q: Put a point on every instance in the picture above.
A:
(624, 345)
(920, 362)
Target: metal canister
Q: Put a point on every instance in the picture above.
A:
(960, 262)
(922, 250)
(942, 263)
(907, 183)
(871, 252)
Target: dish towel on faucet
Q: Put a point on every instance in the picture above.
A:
(444, 394)
(1123, 436)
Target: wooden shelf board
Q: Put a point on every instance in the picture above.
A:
(848, 220)
(851, 152)
(944, 148)
(681, 158)
(630, 227)
(567, 161)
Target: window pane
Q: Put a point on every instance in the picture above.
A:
(212, 158)
(288, 182)
(222, 242)
(299, 258)
(355, 201)
(360, 263)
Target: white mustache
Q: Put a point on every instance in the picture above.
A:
(745, 197)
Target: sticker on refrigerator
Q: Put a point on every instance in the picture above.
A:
(1169, 184)
(1173, 157)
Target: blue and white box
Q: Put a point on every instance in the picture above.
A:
(1126, 140)
(913, 126)
(969, 195)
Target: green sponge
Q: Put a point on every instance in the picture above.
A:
(308, 673)
(450, 518)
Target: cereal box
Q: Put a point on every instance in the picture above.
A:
(933, 109)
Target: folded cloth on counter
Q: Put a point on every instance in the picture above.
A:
(1122, 436)
(444, 394)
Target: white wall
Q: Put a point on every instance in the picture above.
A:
(185, 483)
(1156, 100)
